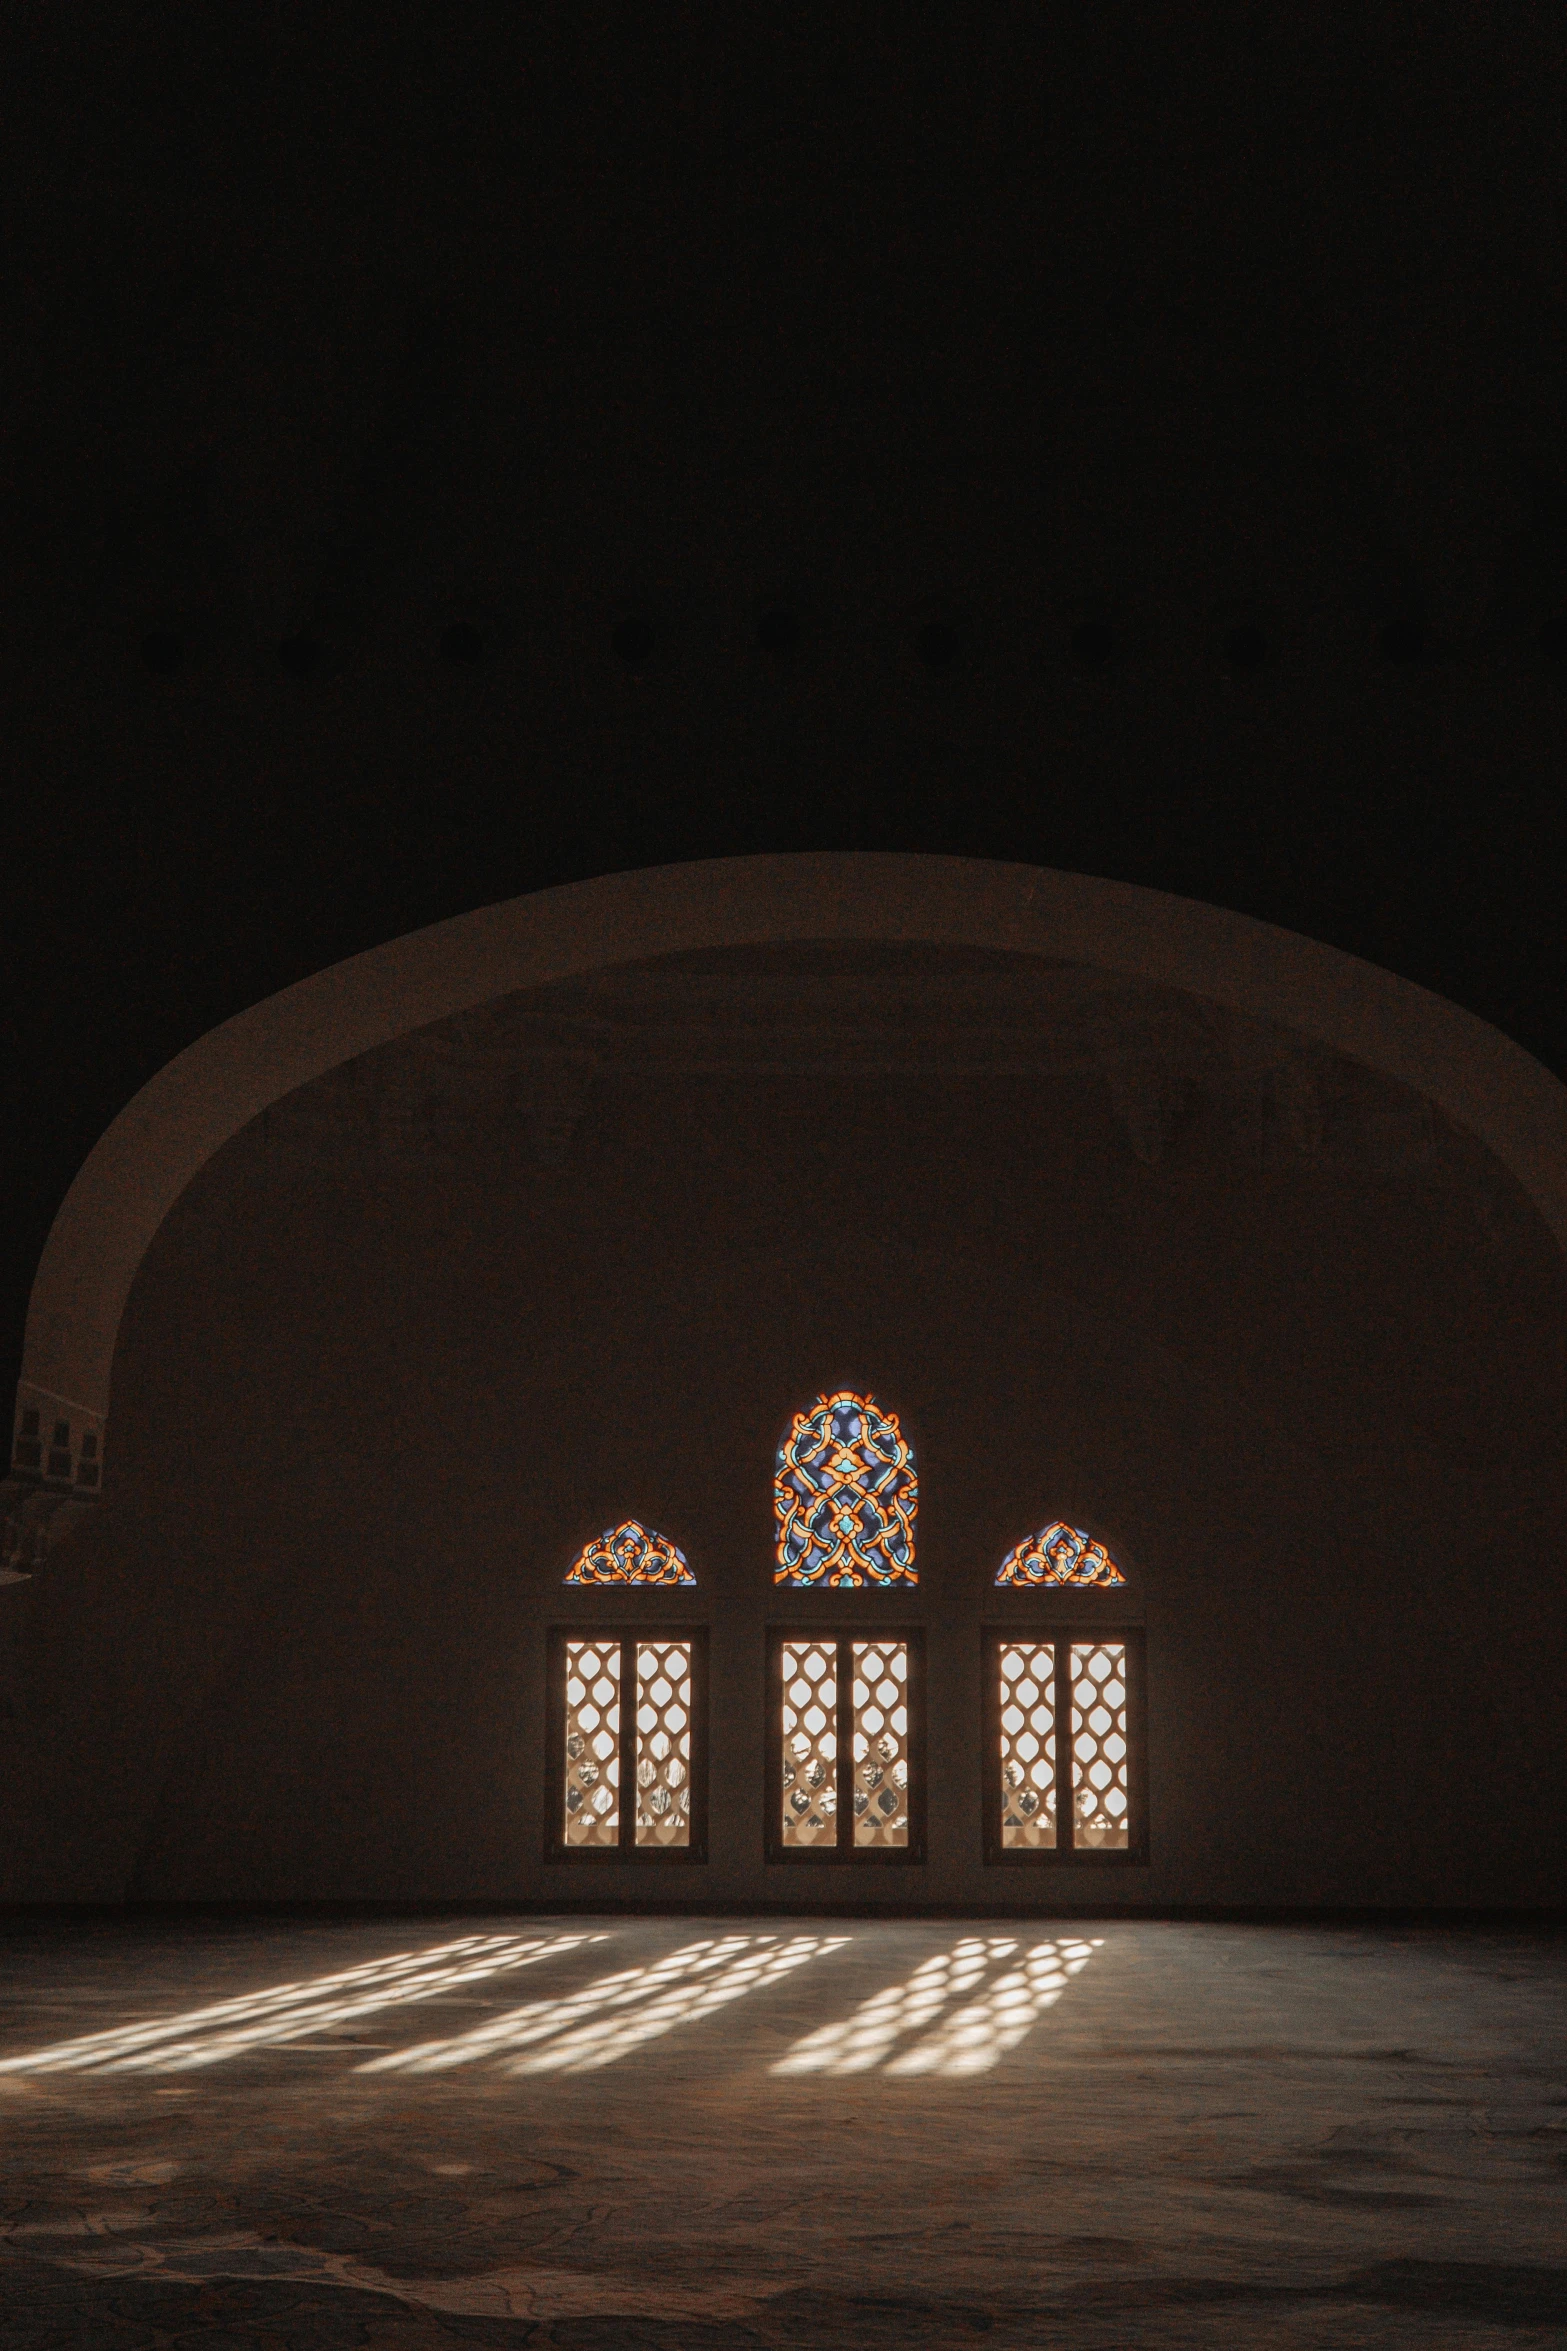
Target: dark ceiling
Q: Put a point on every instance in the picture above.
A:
(455, 449)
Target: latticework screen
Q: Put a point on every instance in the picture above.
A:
(881, 1743)
(592, 1743)
(810, 1743)
(1028, 1746)
(663, 1774)
(1099, 1757)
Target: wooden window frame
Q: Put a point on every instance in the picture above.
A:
(627, 1852)
(1062, 1632)
(843, 1853)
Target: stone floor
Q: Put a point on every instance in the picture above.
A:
(677, 2133)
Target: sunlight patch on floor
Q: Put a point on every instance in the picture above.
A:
(617, 2013)
(958, 2013)
(294, 2012)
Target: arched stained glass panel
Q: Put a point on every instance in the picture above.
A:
(630, 1554)
(845, 1496)
(1059, 1554)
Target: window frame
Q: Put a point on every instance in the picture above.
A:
(841, 1636)
(1062, 1631)
(629, 1633)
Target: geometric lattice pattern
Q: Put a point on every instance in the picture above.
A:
(592, 1743)
(1099, 1791)
(630, 1554)
(1028, 1746)
(810, 1743)
(1059, 1554)
(663, 1773)
(845, 1496)
(881, 1743)
(959, 2012)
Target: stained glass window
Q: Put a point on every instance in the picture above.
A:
(845, 1496)
(1059, 1554)
(630, 1554)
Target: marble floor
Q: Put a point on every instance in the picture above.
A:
(681, 2133)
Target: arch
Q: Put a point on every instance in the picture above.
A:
(845, 1496)
(1478, 1078)
(1059, 1554)
(630, 1554)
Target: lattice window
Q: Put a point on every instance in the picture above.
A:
(1070, 1698)
(881, 1743)
(845, 1496)
(1099, 1749)
(1028, 1746)
(630, 1554)
(810, 1744)
(1059, 1554)
(846, 1744)
(592, 1775)
(663, 1743)
(627, 1745)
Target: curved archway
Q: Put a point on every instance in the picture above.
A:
(137, 1171)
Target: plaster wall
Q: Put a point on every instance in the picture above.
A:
(369, 1402)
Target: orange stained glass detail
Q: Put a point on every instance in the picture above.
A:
(630, 1554)
(845, 1495)
(1059, 1554)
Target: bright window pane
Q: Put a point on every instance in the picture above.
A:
(810, 1744)
(592, 1743)
(1028, 1746)
(663, 1743)
(881, 1742)
(1099, 1792)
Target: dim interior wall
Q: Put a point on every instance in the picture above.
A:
(365, 1418)
(145, 1160)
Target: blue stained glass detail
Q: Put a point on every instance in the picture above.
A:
(845, 1496)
